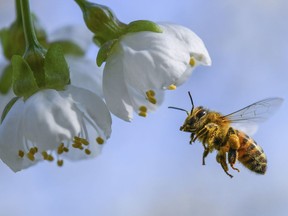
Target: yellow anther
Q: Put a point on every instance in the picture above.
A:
(172, 87)
(143, 109)
(65, 149)
(60, 163)
(87, 151)
(60, 150)
(21, 153)
(50, 158)
(77, 138)
(76, 145)
(150, 93)
(152, 100)
(45, 155)
(30, 156)
(33, 150)
(143, 114)
(84, 141)
(192, 62)
(99, 140)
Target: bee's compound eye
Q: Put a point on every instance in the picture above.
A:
(201, 113)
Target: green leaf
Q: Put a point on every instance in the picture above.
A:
(143, 25)
(56, 69)
(8, 107)
(6, 79)
(24, 83)
(105, 51)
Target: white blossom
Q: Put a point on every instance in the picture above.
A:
(143, 64)
(54, 125)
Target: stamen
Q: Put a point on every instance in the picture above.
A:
(50, 157)
(143, 114)
(192, 62)
(143, 108)
(21, 153)
(152, 100)
(172, 87)
(87, 151)
(45, 155)
(60, 163)
(151, 96)
(142, 111)
(99, 140)
(150, 93)
(30, 156)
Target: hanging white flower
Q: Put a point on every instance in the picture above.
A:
(54, 125)
(143, 64)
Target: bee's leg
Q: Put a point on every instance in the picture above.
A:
(192, 138)
(205, 153)
(210, 128)
(233, 151)
(221, 158)
(232, 157)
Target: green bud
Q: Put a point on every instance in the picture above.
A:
(101, 21)
(56, 69)
(13, 38)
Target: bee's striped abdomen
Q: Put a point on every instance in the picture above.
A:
(251, 155)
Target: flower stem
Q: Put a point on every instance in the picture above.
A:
(18, 11)
(29, 32)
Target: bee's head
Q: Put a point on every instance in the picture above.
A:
(193, 118)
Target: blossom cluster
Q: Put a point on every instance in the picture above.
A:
(55, 120)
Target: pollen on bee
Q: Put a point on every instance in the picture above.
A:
(172, 87)
(99, 140)
(192, 62)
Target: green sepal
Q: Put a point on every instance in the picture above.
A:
(24, 83)
(143, 25)
(105, 51)
(6, 79)
(56, 68)
(8, 107)
(13, 40)
(69, 48)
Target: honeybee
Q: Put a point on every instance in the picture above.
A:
(218, 132)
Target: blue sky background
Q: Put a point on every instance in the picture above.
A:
(148, 167)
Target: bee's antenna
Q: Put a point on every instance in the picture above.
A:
(177, 108)
(191, 101)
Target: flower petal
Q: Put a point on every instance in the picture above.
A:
(11, 139)
(55, 117)
(115, 90)
(84, 73)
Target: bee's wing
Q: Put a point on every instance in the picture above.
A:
(248, 118)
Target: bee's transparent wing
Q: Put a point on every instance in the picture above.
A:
(248, 118)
